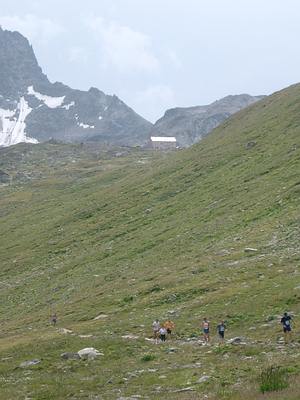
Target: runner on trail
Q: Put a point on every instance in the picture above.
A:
(53, 319)
(221, 330)
(170, 326)
(156, 328)
(162, 334)
(286, 324)
(205, 328)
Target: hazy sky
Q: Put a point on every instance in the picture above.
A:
(157, 54)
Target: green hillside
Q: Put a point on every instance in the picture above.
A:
(146, 235)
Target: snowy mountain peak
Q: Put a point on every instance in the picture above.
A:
(32, 109)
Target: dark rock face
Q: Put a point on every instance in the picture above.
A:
(191, 124)
(34, 109)
(4, 177)
(18, 65)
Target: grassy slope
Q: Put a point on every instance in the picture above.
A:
(136, 241)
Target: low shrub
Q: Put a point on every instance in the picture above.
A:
(148, 357)
(273, 379)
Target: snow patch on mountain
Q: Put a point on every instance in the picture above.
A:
(85, 126)
(12, 125)
(68, 106)
(51, 102)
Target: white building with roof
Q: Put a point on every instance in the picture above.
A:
(163, 142)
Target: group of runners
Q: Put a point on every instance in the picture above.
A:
(221, 327)
(162, 331)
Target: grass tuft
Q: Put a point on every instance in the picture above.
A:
(272, 379)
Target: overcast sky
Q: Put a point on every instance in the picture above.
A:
(157, 54)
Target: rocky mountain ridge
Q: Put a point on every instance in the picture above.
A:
(32, 109)
(191, 124)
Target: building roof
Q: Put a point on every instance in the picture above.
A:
(170, 139)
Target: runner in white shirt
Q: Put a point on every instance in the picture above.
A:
(156, 328)
(162, 334)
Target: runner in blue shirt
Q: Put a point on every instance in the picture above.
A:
(286, 324)
(221, 330)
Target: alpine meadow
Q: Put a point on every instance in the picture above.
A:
(110, 239)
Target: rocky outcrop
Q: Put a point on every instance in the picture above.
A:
(4, 177)
(191, 124)
(32, 109)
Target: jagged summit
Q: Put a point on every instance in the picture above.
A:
(34, 109)
(19, 66)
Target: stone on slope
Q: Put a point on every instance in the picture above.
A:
(186, 389)
(250, 250)
(237, 340)
(70, 356)
(101, 316)
(89, 353)
(203, 379)
(30, 363)
(132, 337)
(65, 331)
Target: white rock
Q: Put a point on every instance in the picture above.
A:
(130, 337)
(237, 340)
(85, 336)
(187, 389)
(250, 250)
(65, 331)
(203, 378)
(89, 353)
(29, 363)
(101, 316)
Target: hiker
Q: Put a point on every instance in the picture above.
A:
(170, 326)
(221, 330)
(286, 324)
(205, 328)
(162, 334)
(53, 319)
(156, 328)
